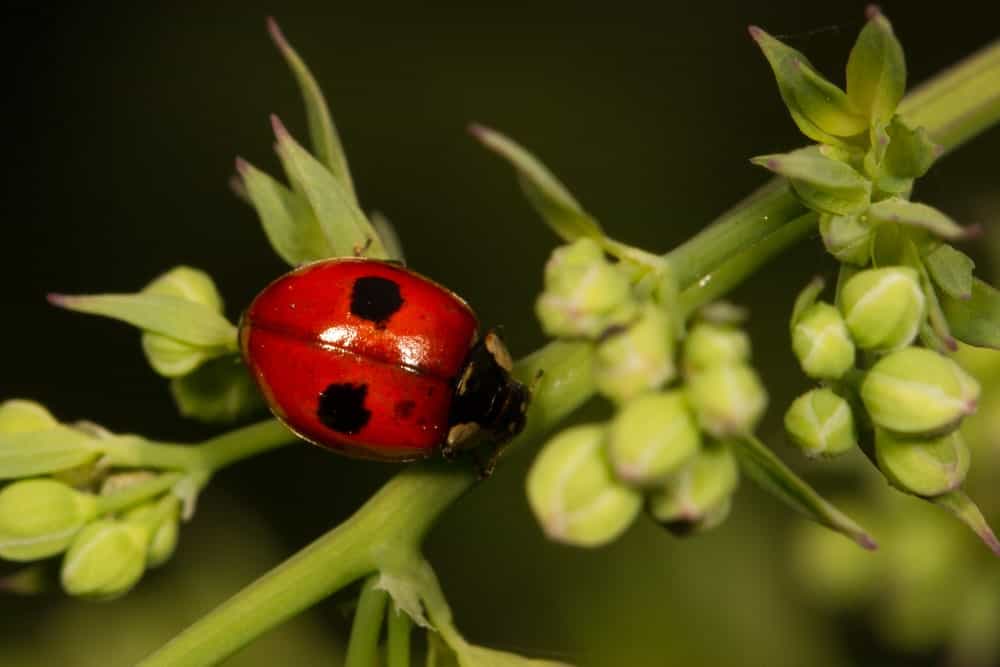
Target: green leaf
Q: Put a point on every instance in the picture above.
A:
(823, 184)
(549, 197)
(773, 476)
(345, 227)
(175, 317)
(322, 131)
(288, 222)
(820, 109)
(913, 214)
(951, 270)
(221, 391)
(806, 298)
(968, 513)
(975, 320)
(910, 152)
(28, 453)
(876, 69)
(172, 358)
(387, 232)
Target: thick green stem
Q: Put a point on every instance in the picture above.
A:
(362, 648)
(398, 637)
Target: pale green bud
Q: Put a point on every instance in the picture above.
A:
(651, 437)
(40, 517)
(698, 496)
(917, 391)
(883, 307)
(637, 359)
(584, 293)
(710, 345)
(728, 400)
(822, 344)
(106, 559)
(574, 495)
(847, 238)
(821, 423)
(168, 356)
(165, 527)
(20, 416)
(923, 467)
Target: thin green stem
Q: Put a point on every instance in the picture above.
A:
(137, 493)
(398, 637)
(362, 648)
(245, 442)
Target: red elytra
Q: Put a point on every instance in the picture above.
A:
(375, 361)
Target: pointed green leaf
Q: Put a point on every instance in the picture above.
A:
(975, 320)
(761, 464)
(820, 109)
(968, 513)
(29, 453)
(322, 131)
(221, 391)
(910, 152)
(876, 69)
(387, 232)
(549, 197)
(824, 185)
(914, 214)
(951, 269)
(806, 298)
(288, 221)
(175, 317)
(345, 227)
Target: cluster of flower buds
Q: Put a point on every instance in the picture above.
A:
(676, 404)
(913, 398)
(62, 500)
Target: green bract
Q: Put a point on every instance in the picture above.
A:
(821, 342)
(651, 437)
(728, 400)
(106, 559)
(927, 467)
(823, 184)
(40, 517)
(574, 495)
(711, 344)
(220, 391)
(584, 293)
(637, 359)
(24, 453)
(876, 70)
(847, 238)
(19, 416)
(821, 423)
(918, 391)
(883, 308)
(701, 490)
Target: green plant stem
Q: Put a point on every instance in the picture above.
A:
(398, 637)
(362, 648)
(399, 514)
(137, 493)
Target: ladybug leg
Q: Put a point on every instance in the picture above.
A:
(361, 250)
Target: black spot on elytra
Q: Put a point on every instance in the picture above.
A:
(342, 407)
(404, 409)
(375, 299)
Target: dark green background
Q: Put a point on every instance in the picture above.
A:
(122, 125)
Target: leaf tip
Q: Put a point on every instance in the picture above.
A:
(873, 11)
(756, 33)
(280, 131)
(242, 166)
(58, 300)
(867, 542)
(278, 37)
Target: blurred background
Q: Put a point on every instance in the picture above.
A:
(121, 128)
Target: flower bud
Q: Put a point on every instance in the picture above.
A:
(574, 495)
(165, 527)
(637, 359)
(822, 344)
(698, 496)
(917, 391)
(39, 518)
(168, 356)
(651, 437)
(728, 400)
(883, 307)
(710, 345)
(923, 467)
(19, 416)
(821, 423)
(106, 559)
(584, 293)
(847, 238)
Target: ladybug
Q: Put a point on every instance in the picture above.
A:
(372, 360)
